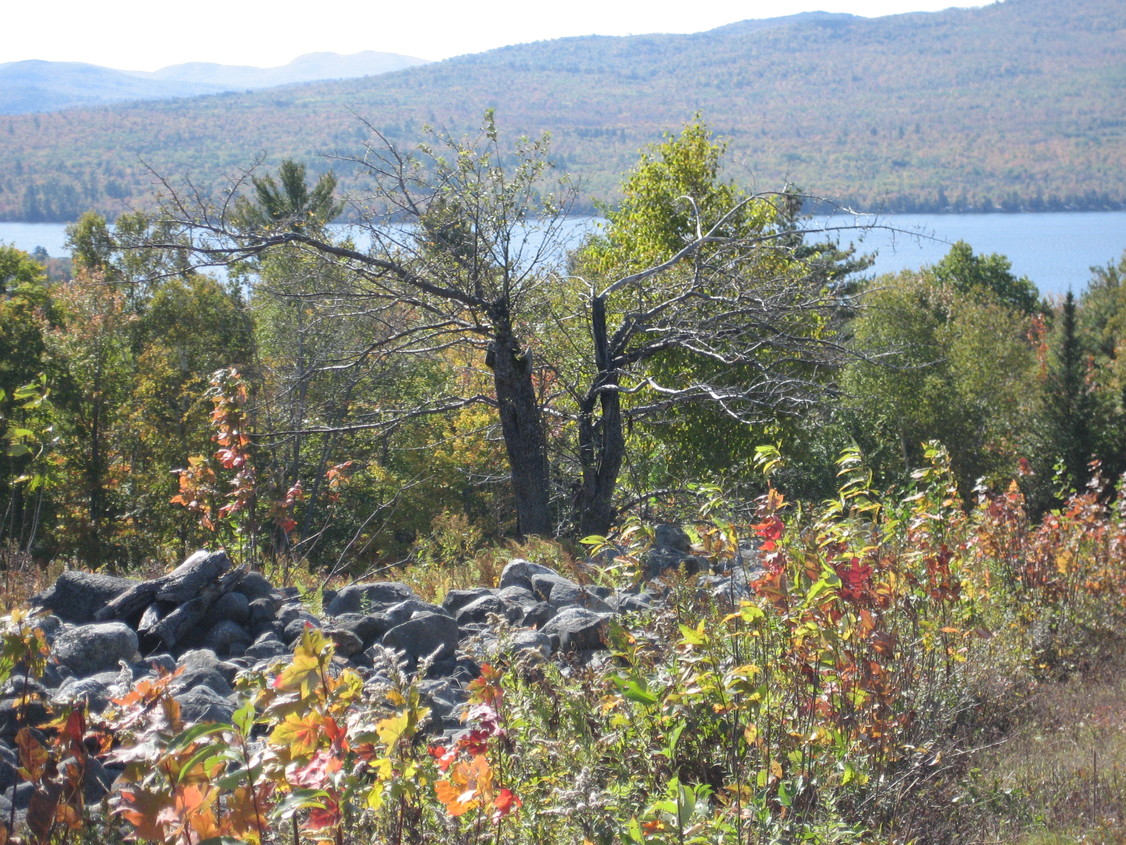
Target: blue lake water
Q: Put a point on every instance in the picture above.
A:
(1054, 250)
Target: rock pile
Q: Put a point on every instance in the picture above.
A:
(214, 621)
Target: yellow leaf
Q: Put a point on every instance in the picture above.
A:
(391, 729)
(299, 733)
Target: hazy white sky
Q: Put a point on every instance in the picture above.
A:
(147, 35)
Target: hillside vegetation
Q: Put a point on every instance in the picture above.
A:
(826, 626)
(1015, 105)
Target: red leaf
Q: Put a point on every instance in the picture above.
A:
(506, 801)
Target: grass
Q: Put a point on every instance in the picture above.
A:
(1059, 775)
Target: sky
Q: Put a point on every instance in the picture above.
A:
(145, 35)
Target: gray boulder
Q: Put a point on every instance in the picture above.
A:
(266, 647)
(89, 649)
(368, 628)
(538, 615)
(568, 594)
(404, 610)
(577, 629)
(535, 642)
(480, 609)
(368, 597)
(16, 713)
(454, 600)
(9, 766)
(518, 573)
(213, 679)
(255, 586)
(424, 635)
(203, 704)
(96, 691)
(672, 549)
(346, 642)
(233, 606)
(227, 637)
(544, 582)
(78, 596)
(514, 594)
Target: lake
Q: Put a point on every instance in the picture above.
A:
(1055, 250)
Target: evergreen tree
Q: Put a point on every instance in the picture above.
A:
(1069, 403)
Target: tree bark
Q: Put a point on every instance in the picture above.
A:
(602, 443)
(522, 426)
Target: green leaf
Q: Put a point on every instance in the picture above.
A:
(634, 832)
(634, 691)
(783, 795)
(207, 755)
(195, 732)
(244, 717)
(817, 588)
(674, 738)
(694, 636)
(300, 799)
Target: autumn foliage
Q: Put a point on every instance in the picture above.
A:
(819, 703)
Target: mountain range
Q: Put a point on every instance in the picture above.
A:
(1016, 105)
(39, 86)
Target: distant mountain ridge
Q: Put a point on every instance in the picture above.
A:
(1014, 106)
(40, 86)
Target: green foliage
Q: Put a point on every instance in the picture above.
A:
(1101, 326)
(288, 202)
(939, 363)
(25, 411)
(673, 195)
(991, 274)
(91, 359)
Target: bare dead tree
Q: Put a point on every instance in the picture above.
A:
(461, 246)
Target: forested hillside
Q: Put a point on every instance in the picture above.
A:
(37, 86)
(1015, 105)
